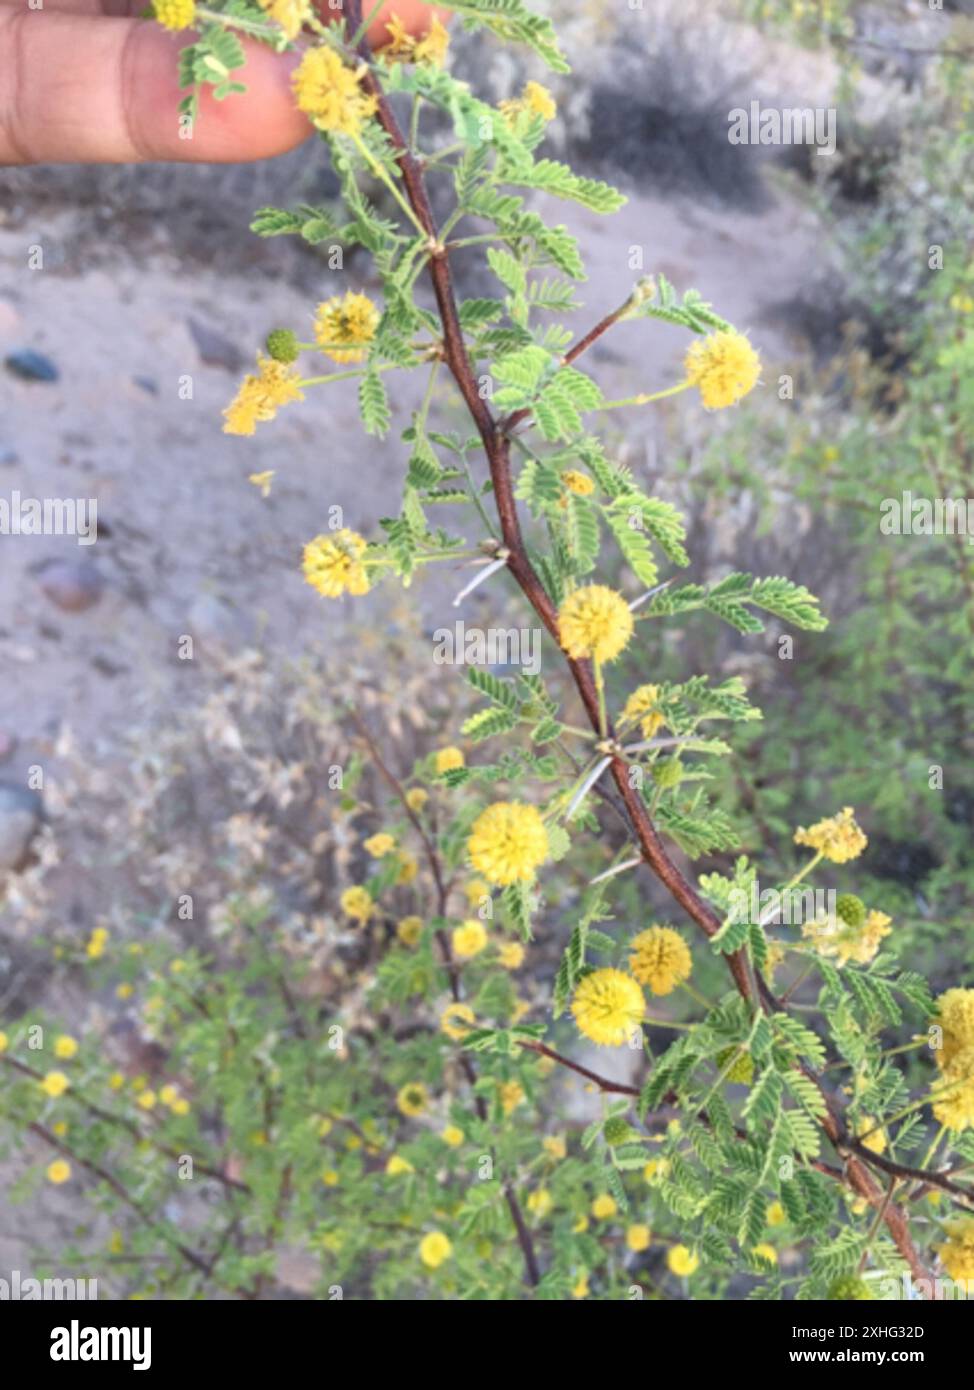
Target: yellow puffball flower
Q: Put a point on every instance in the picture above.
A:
(259, 397)
(447, 759)
(723, 366)
(333, 564)
(408, 868)
(345, 325)
(766, 1252)
(180, 1106)
(957, 1254)
(330, 1178)
(845, 941)
(608, 1007)
(510, 955)
(535, 100)
(554, 1146)
(409, 930)
(379, 845)
(402, 47)
(511, 1096)
(638, 1238)
(508, 842)
(116, 1081)
(413, 1099)
(96, 943)
(580, 1289)
(330, 93)
(59, 1171)
(65, 1046)
(431, 49)
(775, 1215)
(475, 891)
(291, 15)
(397, 1164)
(175, 14)
(578, 483)
(604, 1207)
(4, 1042)
(456, 1020)
(124, 991)
(60, 1129)
(168, 1094)
(641, 708)
(580, 1226)
(146, 1100)
(469, 940)
(660, 959)
(655, 1168)
(416, 798)
(955, 1015)
(357, 903)
(539, 1203)
(595, 621)
(434, 1249)
(875, 1139)
(54, 1084)
(539, 101)
(453, 1135)
(838, 837)
(681, 1261)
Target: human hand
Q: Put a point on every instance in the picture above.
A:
(81, 81)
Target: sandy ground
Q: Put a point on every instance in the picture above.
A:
(186, 544)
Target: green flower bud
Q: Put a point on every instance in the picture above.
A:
(850, 909)
(668, 773)
(617, 1130)
(743, 1069)
(850, 1289)
(282, 345)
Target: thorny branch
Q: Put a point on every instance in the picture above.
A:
(496, 442)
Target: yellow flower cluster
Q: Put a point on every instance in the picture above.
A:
(578, 483)
(434, 1249)
(608, 1007)
(838, 838)
(58, 1172)
(508, 842)
(175, 14)
(953, 1097)
(660, 959)
(333, 564)
(535, 100)
(456, 1020)
(957, 1253)
(350, 319)
(95, 947)
(330, 94)
(447, 759)
(596, 622)
(469, 939)
(413, 1099)
(261, 395)
(845, 941)
(379, 845)
(402, 47)
(723, 366)
(291, 15)
(357, 903)
(641, 708)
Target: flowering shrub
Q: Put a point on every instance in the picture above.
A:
(389, 1105)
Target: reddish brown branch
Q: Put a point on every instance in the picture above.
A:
(497, 449)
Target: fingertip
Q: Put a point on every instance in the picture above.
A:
(255, 124)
